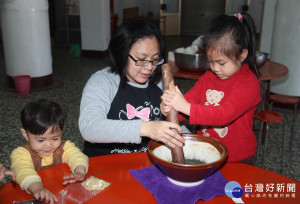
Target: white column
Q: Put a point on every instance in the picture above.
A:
(26, 37)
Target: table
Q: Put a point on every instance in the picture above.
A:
(271, 70)
(126, 189)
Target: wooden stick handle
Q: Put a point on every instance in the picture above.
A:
(172, 115)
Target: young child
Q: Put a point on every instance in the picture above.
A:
(224, 99)
(4, 173)
(42, 126)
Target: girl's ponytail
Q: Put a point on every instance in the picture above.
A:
(251, 37)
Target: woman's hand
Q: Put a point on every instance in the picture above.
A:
(42, 194)
(176, 100)
(78, 175)
(162, 131)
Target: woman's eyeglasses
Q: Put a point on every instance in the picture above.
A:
(155, 62)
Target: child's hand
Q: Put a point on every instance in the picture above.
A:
(164, 109)
(206, 134)
(42, 194)
(4, 173)
(72, 178)
(176, 100)
(78, 175)
(45, 196)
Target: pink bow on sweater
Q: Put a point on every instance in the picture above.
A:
(132, 112)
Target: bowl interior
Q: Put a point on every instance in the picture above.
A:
(198, 147)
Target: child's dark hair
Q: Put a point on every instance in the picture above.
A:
(124, 37)
(230, 35)
(38, 116)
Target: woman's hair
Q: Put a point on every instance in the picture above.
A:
(230, 35)
(38, 116)
(124, 37)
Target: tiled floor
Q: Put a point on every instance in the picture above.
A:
(70, 76)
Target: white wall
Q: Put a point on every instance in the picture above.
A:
(286, 46)
(95, 24)
(256, 11)
(267, 26)
(235, 6)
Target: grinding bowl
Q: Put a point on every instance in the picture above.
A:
(261, 58)
(189, 174)
(191, 63)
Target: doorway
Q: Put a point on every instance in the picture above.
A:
(170, 11)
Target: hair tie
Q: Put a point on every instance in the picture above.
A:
(239, 16)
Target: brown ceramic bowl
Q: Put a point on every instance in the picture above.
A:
(184, 172)
(191, 63)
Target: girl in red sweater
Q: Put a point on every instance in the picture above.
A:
(224, 99)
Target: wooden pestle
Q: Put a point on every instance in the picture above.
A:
(172, 115)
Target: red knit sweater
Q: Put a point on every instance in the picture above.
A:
(229, 105)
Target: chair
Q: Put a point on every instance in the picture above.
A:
(285, 99)
(266, 117)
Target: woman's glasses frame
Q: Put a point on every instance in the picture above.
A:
(143, 63)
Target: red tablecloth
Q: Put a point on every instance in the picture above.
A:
(126, 189)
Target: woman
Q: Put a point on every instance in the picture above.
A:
(120, 105)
